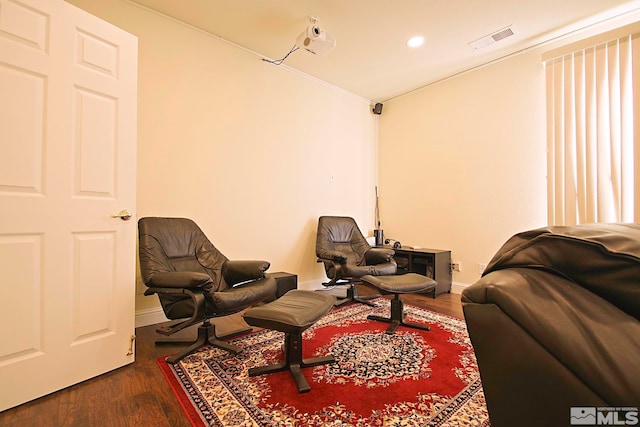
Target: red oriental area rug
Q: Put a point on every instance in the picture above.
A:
(411, 378)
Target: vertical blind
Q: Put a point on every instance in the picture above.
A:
(592, 139)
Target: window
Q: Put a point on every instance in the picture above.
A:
(593, 105)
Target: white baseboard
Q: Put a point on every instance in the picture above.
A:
(150, 316)
(311, 286)
(458, 287)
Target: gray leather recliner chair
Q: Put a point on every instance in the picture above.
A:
(195, 281)
(346, 255)
(555, 324)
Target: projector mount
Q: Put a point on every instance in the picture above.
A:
(314, 40)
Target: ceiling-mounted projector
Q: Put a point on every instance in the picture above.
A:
(315, 39)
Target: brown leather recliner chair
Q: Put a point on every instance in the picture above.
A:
(555, 324)
(347, 256)
(195, 281)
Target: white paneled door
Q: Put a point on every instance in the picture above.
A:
(67, 164)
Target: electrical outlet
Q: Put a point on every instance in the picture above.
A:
(481, 267)
(456, 266)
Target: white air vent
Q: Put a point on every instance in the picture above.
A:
(492, 38)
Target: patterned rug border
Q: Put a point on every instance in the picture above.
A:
(197, 410)
(179, 392)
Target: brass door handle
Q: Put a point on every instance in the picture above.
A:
(124, 215)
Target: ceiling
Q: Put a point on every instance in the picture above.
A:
(371, 58)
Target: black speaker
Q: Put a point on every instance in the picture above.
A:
(377, 109)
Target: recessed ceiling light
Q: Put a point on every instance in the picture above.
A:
(416, 41)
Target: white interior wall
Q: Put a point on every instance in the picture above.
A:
(245, 148)
(463, 162)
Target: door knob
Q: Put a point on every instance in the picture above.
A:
(124, 215)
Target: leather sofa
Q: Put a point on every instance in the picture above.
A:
(555, 324)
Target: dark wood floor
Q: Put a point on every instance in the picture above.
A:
(138, 394)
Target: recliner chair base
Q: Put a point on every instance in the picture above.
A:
(352, 294)
(206, 336)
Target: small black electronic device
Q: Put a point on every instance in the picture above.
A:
(396, 244)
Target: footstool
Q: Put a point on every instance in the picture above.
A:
(401, 284)
(292, 313)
